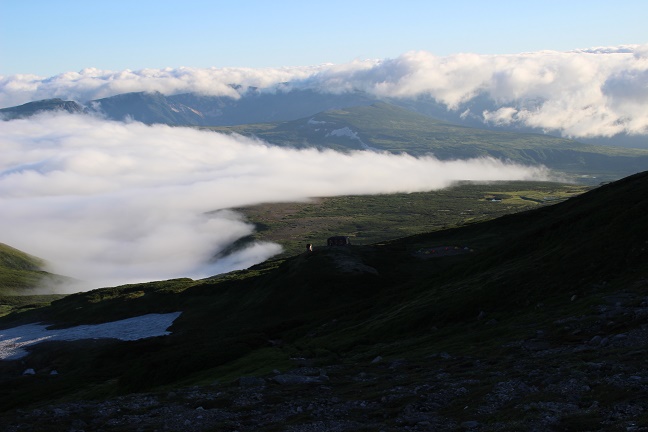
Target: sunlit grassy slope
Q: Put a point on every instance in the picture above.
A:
(386, 127)
(344, 304)
(22, 278)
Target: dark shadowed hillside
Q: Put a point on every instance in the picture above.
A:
(538, 321)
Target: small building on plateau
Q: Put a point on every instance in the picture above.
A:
(338, 241)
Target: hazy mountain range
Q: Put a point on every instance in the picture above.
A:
(192, 109)
(357, 121)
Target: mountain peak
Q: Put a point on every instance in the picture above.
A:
(31, 108)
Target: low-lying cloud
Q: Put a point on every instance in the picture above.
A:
(581, 93)
(109, 202)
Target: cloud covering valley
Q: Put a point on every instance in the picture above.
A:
(111, 202)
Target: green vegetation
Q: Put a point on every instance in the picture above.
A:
(22, 277)
(346, 305)
(394, 129)
(369, 219)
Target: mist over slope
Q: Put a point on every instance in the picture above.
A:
(110, 202)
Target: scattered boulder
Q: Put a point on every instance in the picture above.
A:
(471, 424)
(251, 382)
(595, 341)
(300, 379)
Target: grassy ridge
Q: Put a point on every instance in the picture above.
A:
(19, 271)
(22, 277)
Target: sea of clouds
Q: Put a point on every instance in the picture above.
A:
(581, 93)
(111, 202)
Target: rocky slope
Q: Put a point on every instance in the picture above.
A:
(543, 327)
(595, 383)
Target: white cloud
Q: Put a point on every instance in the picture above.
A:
(92, 83)
(588, 92)
(110, 202)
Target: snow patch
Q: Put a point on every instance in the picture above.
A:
(349, 133)
(14, 339)
(344, 132)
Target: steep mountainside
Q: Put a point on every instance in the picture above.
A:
(21, 273)
(147, 108)
(261, 107)
(24, 280)
(539, 321)
(199, 110)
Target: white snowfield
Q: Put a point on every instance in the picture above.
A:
(14, 339)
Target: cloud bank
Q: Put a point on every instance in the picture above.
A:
(583, 93)
(111, 203)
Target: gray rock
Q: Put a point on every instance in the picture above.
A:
(595, 341)
(250, 382)
(298, 379)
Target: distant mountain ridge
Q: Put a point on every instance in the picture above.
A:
(191, 109)
(390, 128)
(354, 121)
(47, 105)
(280, 104)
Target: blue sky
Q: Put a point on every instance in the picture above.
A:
(46, 37)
